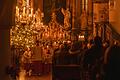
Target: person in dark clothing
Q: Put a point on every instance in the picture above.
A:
(113, 65)
(63, 57)
(13, 71)
(95, 51)
(55, 56)
(74, 53)
(93, 59)
(60, 55)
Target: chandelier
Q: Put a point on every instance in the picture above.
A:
(27, 24)
(29, 27)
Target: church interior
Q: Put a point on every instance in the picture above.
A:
(59, 39)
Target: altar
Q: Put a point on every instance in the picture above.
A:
(37, 68)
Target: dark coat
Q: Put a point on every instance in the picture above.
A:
(113, 65)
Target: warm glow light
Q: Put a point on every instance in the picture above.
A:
(17, 10)
(31, 11)
(83, 4)
(27, 3)
(34, 16)
(81, 36)
(29, 27)
(68, 41)
(24, 11)
(22, 75)
(30, 15)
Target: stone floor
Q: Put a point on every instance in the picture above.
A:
(42, 77)
(23, 76)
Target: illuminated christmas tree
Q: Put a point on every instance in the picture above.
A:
(23, 33)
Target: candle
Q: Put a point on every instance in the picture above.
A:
(24, 11)
(31, 11)
(17, 10)
(27, 7)
(27, 3)
(83, 4)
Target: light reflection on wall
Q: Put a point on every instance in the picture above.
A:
(117, 16)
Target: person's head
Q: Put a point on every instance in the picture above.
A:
(98, 41)
(76, 46)
(91, 42)
(84, 45)
(106, 44)
(61, 46)
(27, 48)
(67, 9)
(37, 42)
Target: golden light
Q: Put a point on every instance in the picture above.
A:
(81, 37)
(29, 26)
(22, 75)
(68, 41)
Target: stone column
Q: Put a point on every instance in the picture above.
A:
(74, 35)
(40, 5)
(7, 18)
(73, 14)
(5, 56)
(35, 4)
(32, 4)
(79, 7)
(90, 11)
(67, 3)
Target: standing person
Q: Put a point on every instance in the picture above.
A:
(74, 53)
(93, 59)
(112, 69)
(26, 59)
(55, 57)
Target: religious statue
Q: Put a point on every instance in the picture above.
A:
(67, 16)
(53, 23)
(23, 3)
(26, 57)
(83, 19)
(53, 17)
(39, 15)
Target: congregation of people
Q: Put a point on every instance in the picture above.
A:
(98, 60)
